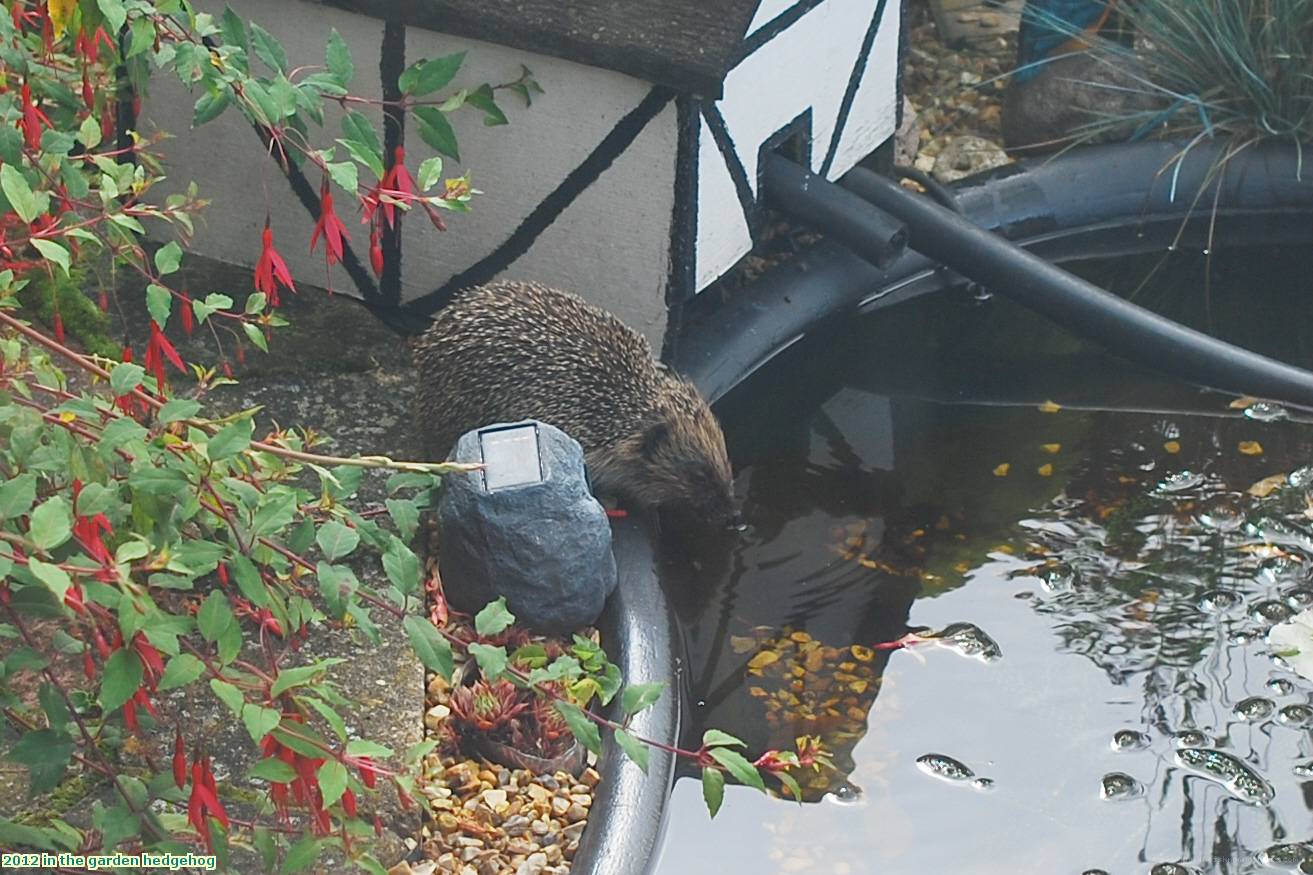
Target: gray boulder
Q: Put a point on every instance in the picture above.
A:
(545, 546)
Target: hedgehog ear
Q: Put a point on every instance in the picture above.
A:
(653, 438)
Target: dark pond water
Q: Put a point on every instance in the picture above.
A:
(1113, 704)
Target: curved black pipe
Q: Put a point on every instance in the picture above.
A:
(1054, 206)
(638, 629)
(816, 202)
(1082, 307)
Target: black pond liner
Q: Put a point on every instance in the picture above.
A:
(1097, 201)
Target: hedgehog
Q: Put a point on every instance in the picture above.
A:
(509, 351)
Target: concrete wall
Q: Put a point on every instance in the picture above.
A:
(610, 242)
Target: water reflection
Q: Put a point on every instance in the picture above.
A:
(1122, 701)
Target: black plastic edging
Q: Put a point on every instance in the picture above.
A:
(1033, 203)
(639, 632)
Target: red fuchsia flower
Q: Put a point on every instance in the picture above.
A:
(151, 661)
(157, 350)
(130, 404)
(349, 802)
(329, 226)
(204, 800)
(30, 121)
(59, 327)
(188, 318)
(376, 249)
(88, 664)
(88, 96)
(179, 761)
(368, 770)
(271, 269)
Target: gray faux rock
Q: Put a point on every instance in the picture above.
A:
(545, 546)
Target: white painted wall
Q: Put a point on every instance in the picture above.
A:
(611, 245)
(806, 66)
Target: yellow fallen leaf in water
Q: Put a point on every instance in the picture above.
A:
(1250, 448)
(962, 567)
(862, 654)
(1050, 407)
(1045, 470)
(1002, 470)
(1265, 487)
(763, 659)
(1172, 447)
(1242, 402)
(741, 644)
(1051, 449)
(1126, 481)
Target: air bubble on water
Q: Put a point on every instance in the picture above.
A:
(1094, 872)
(1271, 611)
(1126, 740)
(944, 767)
(1301, 477)
(1288, 856)
(1189, 738)
(1179, 482)
(1299, 598)
(846, 793)
(1171, 431)
(1118, 786)
(1246, 635)
(1280, 687)
(983, 784)
(1171, 869)
(968, 640)
(1266, 411)
(1304, 769)
(1297, 716)
(1215, 601)
(1221, 514)
(1229, 771)
(1254, 708)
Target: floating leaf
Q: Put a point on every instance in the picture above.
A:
(1250, 448)
(1002, 470)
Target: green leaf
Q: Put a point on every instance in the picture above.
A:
(114, 13)
(346, 175)
(159, 302)
(125, 377)
(402, 567)
(24, 659)
(492, 660)
(52, 251)
(233, 30)
(54, 577)
(123, 675)
(331, 717)
(54, 706)
(52, 522)
(337, 584)
(633, 748)
(143, 36)
(639, 696)
(162, 482)
(405, 514)
(300, 676)
(229, 695)
(361, 140)
(255, 334)
(273, 769)
(268, 49)
(336, 539)
(363, 747)
(301, 855)
(738, 766)
(584, 729)
(435, 130)
(430, 173)
(181, 670)
(339, 59)
(46, 754)
(249, 581)
(230, 440)
(210, 105)
(713, 789)
(493, 618)
(332, 781)
(791, 784)
(484, 99)
(168, 257)
(260, 721)
(215, 616)
(17, 496)
(177, 409)
(19, 193)
(427, 76)
(431, 648)
(16, 834)
(716, 738)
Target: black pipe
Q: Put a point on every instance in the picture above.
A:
(1083, 308)
(1064, 207)
(818, 203)
(627, 817)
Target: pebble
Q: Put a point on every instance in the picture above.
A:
(496, 800)
(576, 812)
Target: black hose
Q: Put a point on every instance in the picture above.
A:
(1081, 307)
(818, 203)
(933, 187)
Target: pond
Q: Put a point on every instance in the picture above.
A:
(1115, 546)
